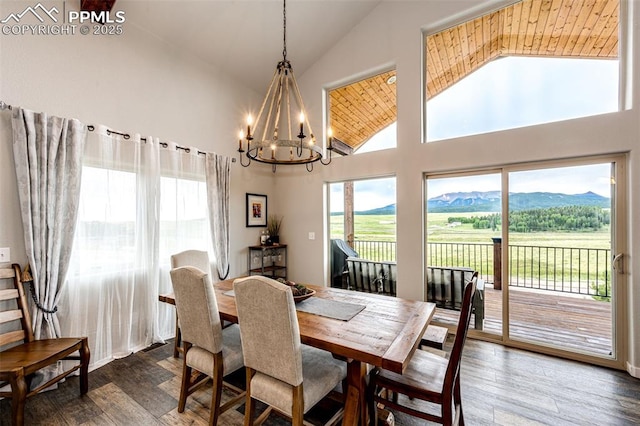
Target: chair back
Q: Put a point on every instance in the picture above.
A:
(196, 258)
(453, 368)
(445, 285)
(269, 328)
(15, 321)
(197, 308)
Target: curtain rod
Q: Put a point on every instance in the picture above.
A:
(91, 128)
(127, 136)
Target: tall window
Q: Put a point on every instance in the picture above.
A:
(139, 204)
(105, 233)
(362, 115)
(183, 217)
(363, 213)
(534, 62)
(109, 219)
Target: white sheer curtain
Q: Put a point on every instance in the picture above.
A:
(183, 219)
(139, 203)
(110, 285)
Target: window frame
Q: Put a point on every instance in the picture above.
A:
(326, 98)
(625, 56)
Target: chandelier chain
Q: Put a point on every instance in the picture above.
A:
(276, 146)
(284, 28)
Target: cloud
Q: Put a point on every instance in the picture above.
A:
(368, 194)
(566, 180)
(521, 91)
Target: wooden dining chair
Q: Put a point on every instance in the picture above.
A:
(281, 372)
(428, 377)
(210, 350)
(21, 355)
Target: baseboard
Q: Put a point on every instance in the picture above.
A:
(633, 370)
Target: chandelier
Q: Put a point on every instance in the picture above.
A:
(278, 134)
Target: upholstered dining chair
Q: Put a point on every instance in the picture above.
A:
(428, 377)
(281, 372)
(208, 348)
(198, 259)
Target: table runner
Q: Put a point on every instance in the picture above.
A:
(343, 311)
(335, 309)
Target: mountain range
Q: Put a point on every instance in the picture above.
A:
(489, 201)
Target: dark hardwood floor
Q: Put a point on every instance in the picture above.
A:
(501, 386)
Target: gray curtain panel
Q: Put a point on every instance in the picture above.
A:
(48, 157)
(218, 172)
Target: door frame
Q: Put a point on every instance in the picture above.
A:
(619, 287)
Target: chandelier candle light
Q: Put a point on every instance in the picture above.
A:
(272, 140)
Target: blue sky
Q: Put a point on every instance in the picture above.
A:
(368, 194)
(520, 91)
(507, 93)
(566, 180)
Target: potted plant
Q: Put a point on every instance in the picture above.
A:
(273, 227)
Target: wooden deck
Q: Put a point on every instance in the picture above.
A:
(559, 319)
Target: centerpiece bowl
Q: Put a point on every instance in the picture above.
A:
(304, 296)
(300, 292)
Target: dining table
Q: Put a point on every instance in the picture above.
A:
(384, 333)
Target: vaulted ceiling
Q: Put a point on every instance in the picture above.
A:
(550, 28)
(360, 110)
(244, 39)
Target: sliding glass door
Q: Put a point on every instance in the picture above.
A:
(561, 243)
(546, 241)
(463, 221)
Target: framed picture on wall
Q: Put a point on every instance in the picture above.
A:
(256, 210)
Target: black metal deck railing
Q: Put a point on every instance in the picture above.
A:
(566, 269)
(477, 256)
(583, 271)
(378, 251)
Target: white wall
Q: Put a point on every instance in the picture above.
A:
(130, 83)
(391, 34)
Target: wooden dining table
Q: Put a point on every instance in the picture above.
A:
(384, 334)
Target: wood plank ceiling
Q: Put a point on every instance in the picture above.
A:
(360, 110)
(550, 28)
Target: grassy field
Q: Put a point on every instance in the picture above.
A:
(383, 228)
(367, 227)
